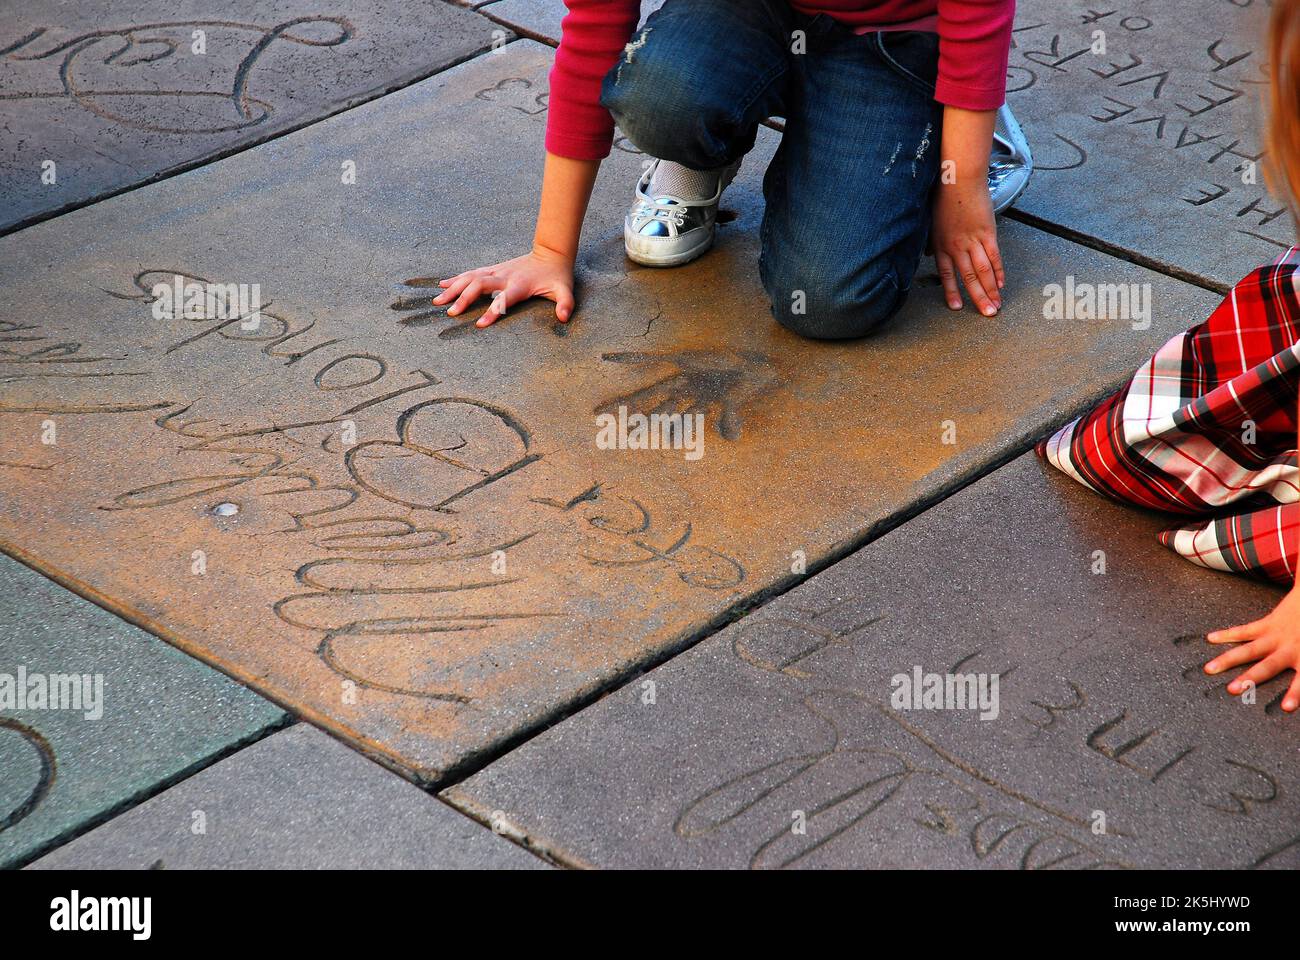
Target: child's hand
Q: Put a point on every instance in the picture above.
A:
(541, 273)
(1273, 641)
(965, 240)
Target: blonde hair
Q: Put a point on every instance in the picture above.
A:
(1282, 138)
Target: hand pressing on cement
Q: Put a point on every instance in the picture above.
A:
(548, 270)
(541, 273)
(1273, 641)
(964, 234)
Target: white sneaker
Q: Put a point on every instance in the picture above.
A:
(1011, 163)
(668, 231)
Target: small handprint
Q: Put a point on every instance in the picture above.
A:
(419, 310)
(717, 383)
(422, 310)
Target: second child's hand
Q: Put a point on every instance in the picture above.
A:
(1272, 644)
(547, 270)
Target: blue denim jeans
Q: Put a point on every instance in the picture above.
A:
(848, 193)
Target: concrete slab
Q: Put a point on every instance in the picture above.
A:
(1109, 747)
(98, 97)
(1145, 127)
(147, 713)
(297, 800)
(541, 18)
(430, 554)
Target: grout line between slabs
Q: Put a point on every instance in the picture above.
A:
(147, 793)
(1019, 446)
(1118, 252)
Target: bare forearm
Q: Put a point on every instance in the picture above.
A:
(566, 191)
(547, 269)
(966, 144)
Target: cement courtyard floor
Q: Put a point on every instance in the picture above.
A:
(378, 521)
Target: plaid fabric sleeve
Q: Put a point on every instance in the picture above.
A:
(1207, 428)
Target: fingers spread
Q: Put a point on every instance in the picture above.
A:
(513, 292)
(453, 288)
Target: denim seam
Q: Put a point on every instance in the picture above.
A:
(890, 277)
(898, 68)
(737, 117)
(778, 192)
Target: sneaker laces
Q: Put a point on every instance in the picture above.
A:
(667, 209)
(663, 209)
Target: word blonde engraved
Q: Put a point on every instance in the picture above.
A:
(185, 299)
(405, 512)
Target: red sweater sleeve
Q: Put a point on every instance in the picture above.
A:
(974, 43)
(593, 34)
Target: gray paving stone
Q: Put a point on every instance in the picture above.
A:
(359, 585)
(115, 94)
(542, 18)
(297, 800)
(1150, 145)
(160, 713)
(1101, 709)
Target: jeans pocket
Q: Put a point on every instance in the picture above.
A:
(912, 54)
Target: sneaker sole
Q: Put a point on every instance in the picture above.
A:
(1008, 202)
(643, 250)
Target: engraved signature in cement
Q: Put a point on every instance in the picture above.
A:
(24, 802)
(880, 765)
(870, 767)
(109, 72)
(385, 500)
